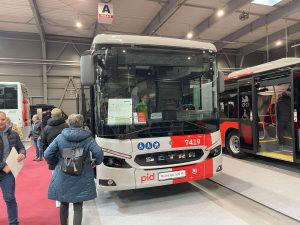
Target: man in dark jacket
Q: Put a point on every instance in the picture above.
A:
(45, 117)
(36, 129)
(54, 127)
(284, 117)
(8, 140)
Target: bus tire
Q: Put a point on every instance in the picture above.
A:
(232, 145)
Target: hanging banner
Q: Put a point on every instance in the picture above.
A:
(105, 13)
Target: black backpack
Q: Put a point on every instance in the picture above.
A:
(72, 160)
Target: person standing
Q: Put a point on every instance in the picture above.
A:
(36, 128)
(54, 127)
(144, 106)
(14, 127)
(68, 188)
(9, 139)
(284, 117)
(45, 117)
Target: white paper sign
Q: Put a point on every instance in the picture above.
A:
(12, 162)
(105, 13)
(119, 111)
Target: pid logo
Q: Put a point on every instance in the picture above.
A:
(147, 177)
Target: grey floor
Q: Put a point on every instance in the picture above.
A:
(275, 184)
(205, 201)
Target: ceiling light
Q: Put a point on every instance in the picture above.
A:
(293, 46)
(278, 43)
(266, 2)
(78, 24)
(190, 35)
(220, 13)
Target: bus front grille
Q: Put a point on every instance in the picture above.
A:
(168, 158)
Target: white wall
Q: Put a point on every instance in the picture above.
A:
(20, 49)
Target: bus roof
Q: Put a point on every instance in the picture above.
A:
(150, 40)
(284, 62)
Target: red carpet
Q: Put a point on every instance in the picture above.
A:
(32, 195)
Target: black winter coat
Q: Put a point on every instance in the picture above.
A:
(51, 131)
(14, 141)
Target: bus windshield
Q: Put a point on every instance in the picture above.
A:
(155, 91)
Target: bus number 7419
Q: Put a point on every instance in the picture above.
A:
(192, 142)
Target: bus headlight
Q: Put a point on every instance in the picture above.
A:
(108, 182)
(215, 152)
(111, 161)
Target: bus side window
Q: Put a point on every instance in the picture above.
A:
(228, 108)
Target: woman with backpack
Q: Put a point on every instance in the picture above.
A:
(72, 152)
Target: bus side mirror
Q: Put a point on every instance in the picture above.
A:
(87, 68)
(221, 82)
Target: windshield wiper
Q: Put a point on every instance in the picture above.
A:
(195, 124)
(126, 135)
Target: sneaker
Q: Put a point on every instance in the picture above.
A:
(36, 159)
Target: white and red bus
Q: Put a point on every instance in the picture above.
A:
(154, 110)
(15, 103)
(259, 111)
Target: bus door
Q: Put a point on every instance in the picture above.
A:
(274, 111)
(247, 135)
(296, 111)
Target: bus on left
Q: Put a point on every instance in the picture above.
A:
(15, 103)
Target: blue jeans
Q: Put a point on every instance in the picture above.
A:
(38, 150)
(7, 184)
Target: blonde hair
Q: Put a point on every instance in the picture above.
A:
(56, 112)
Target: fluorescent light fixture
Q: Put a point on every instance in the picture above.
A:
(189, 35)
(266, 2)
(293, 46)
(220, 13)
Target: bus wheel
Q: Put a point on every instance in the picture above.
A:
(232, 145)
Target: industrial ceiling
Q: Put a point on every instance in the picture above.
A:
(243, 26)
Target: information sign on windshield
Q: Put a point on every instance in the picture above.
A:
(119, 111)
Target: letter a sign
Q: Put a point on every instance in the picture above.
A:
(105, 13)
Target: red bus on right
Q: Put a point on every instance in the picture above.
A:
(260, 111)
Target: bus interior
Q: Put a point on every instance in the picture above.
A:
(266, 107)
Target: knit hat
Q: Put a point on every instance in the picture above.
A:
(56, 112)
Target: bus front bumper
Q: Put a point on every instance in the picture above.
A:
(114, 179)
